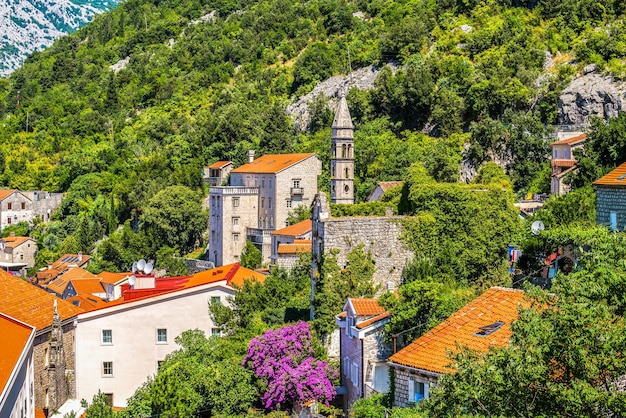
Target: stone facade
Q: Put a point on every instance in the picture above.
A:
(379, 234)
(54, 375)
(402, 386)
(15, 208)
(608, 200)
(342, 156)
(44, 203)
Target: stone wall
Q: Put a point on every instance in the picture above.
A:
(611, 199)
(44, 204)
(64, 375)
(401, 393)
(380, 236)
(196, 266)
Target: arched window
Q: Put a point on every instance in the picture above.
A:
(350, 152)
(347, 173)
(343, 151)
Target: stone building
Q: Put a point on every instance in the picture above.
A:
(53, 351)
(217, 173)
(364, 354)
(17, 206)
(380, 235)
(481, 324)
(17, 253)
(611, 199)
(563, 161)
(342, 156)
(258, 200)
(289, 243)
(381, 188)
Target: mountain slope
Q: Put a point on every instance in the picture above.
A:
(32, 25)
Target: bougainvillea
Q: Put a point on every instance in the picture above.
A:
(283, 360)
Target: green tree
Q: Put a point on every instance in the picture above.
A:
(100, 407)
(174, 217)
(251, 256)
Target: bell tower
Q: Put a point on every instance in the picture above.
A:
(342, 156)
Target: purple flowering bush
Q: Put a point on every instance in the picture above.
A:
(283, 360)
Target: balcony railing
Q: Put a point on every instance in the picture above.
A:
(234, 190)
(297, 191)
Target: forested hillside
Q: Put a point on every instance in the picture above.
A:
(203, 80)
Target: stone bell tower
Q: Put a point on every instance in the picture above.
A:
(342, 156)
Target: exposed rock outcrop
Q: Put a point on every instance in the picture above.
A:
(591, 95)
(363, 79)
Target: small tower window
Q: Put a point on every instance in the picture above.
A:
(347, 173)
(343, 151)
(346, 188)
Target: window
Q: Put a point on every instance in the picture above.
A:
(263, 183)
(46, 356)
(612, 219)
(346, 367)
(235, 202)
(9, 205)
(346, 188)
(488, 329)
(351, 322)
(107, 336)
(347, 173)
(161, 336)
(235, 237)
(343, 151)
(107, 368)
(216, 299)
(296, 184)
(262, 202)
(21, 256)
(9, 220)
(235, 221)
(109, 397)
(289, 204)
(23, 205)
(216, 332)
(269, 203)
(354, 374)
(417, 390)
(270, 183)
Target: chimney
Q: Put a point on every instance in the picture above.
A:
(80, 256)
(250, 155)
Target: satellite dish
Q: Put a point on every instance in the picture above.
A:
(134, 268)
(132, 280)
(141, 264)
(537, 227)
(148, 269)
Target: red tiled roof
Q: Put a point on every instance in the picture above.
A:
(272, 163)
(4, 193)
(15, 337)
(616, 178)
(299, 246)
(30, 304)
(430, 351)
(295, 229)
(219, 164)
(12, 242)
(366, 306)
(570, 141)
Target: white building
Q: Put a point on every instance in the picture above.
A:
(120, 345)
(17, 377)
(259, 199)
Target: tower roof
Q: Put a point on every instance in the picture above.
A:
(342, 116)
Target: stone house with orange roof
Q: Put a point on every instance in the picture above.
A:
(53, 351)
(289, 243)
(17, 253)
(363, 351)
(563, 161)
(480, 325)
(120, 344)
(258, 200)
(17, 378)
(611, 199)
(217, 173)
(24, 206)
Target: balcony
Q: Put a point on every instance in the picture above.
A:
(233, 190)
(297, 191)
(259, 236)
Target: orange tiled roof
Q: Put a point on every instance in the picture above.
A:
(13, 343)
(219, 164)
(59, 284)
(295, 229)
(87, 286)
(87, 302)
(39, 413)
(30, 304)
(616, 178)
(272, 163)
(300, 246)
(571, 141)
(232, 273)
(12, 242)
(62, 264)
(373, 320)
(366, 306)
(430, 351)
(4, 193)
(112, 278)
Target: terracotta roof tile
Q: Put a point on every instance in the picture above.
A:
(296, 229)
(616, 178)
(16, 336)
(30, 304)
(300, 246)
(272, 163)
(39, 413)
(87, 286)
(112, 278)
(571, 141)
(366, 306)
(87, 302)
(61, 265)
(59, 284)
(4, 193)
(430, 351)
(219, 164)
(12, 242)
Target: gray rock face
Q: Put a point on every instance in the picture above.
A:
(363, 79)
(591, 95)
